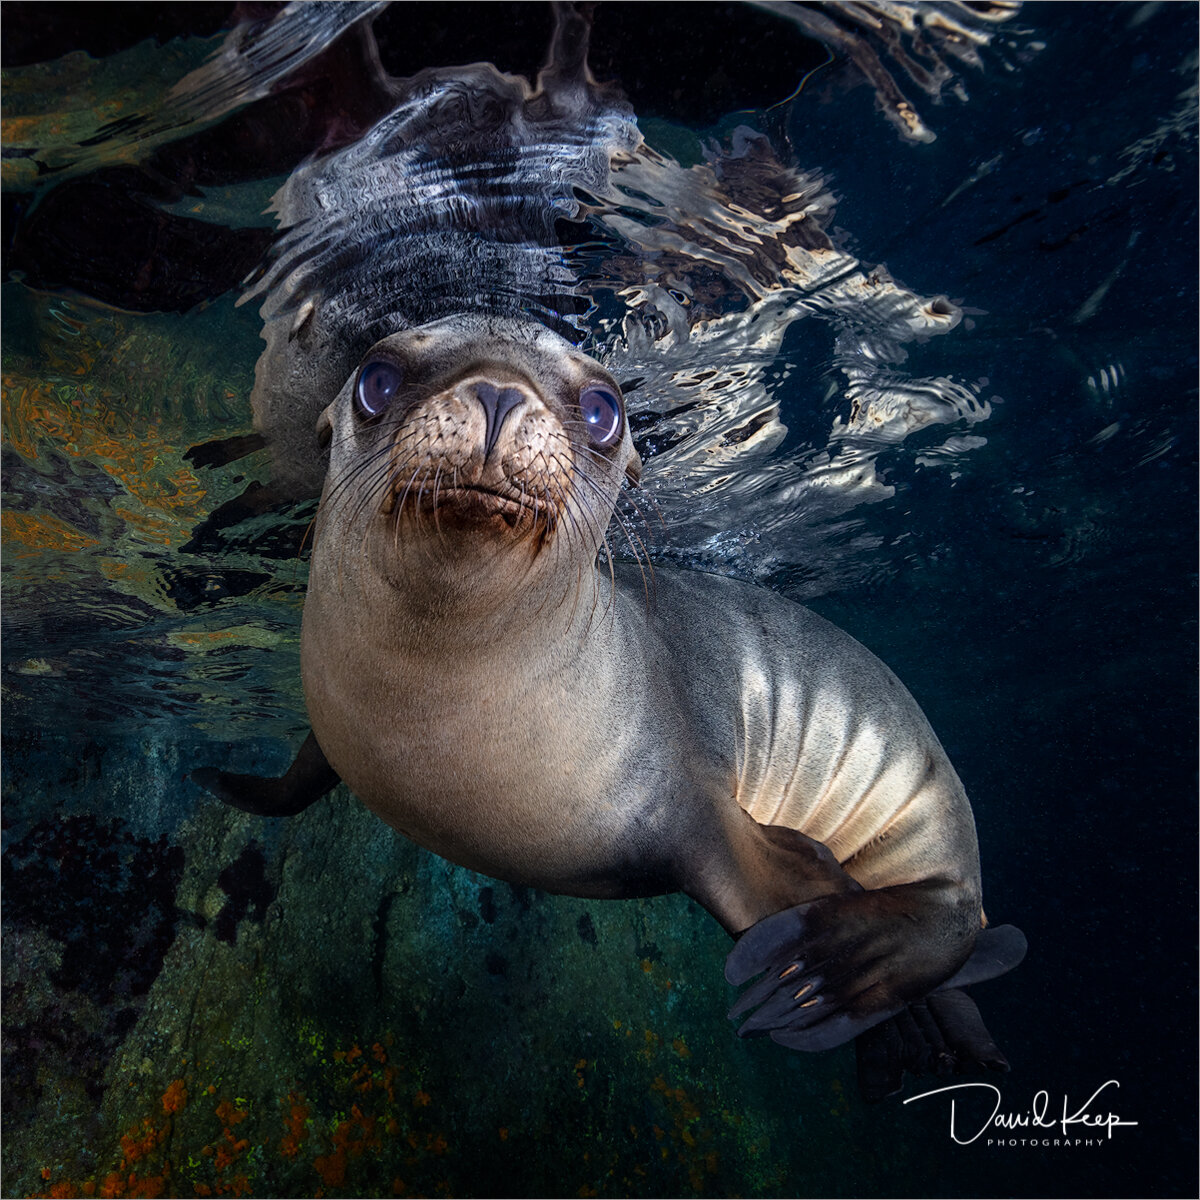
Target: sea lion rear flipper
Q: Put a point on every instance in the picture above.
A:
(940, 1035)
(944, 1033)
(835, 967)
(308, 779)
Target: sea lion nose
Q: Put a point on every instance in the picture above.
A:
(497, 403)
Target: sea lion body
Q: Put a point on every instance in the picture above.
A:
(608, 759)
(489, 691)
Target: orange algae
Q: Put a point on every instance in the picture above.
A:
(175, 1097)
(227, 1114)
(38, 534)
(375, 1125)
(295, 1125)
(350, 1139)
(136, 1145)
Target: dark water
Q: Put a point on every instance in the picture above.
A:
(199, 1002)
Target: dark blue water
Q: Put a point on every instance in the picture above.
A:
(316, 1006)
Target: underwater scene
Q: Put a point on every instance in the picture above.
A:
(889, 309)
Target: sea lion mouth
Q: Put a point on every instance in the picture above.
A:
(474, 504)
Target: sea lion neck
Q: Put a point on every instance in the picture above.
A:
(496, 601)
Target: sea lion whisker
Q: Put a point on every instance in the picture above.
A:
(533, 529)
(584, 521)
(420, 497)
(371, 498)
(637, 546)
(582, 532)
(398, 510)
(400, 507)
(558, 549)
(560, 491)
(368, 497)
(612, 577)
(336, 488)
(407, 489)
(575, 591)
(349, 478)
(554, 488)
(626, 497)
(389, 441)
(581, 445)
(370, 492)
(644, 565)
(309, 530)
(598, 491)
(598, 533)
(437, 524)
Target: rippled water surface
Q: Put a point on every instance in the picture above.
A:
(927, 364)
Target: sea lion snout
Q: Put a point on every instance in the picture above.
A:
(487, 445)
(508, 423)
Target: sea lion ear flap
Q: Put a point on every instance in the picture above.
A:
(633, 469)
(325, 428)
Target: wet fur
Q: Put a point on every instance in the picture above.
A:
(487, 691)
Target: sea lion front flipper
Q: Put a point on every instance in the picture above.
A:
(834, 967)
(998, 949)
(308, 779)
(940, 1035)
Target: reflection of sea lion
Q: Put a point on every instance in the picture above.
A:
(489, 692)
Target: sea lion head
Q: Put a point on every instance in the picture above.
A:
(473, 445)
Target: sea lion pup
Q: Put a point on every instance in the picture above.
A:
(492, 693)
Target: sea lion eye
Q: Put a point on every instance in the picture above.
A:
(378, 383)
(601, 410)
